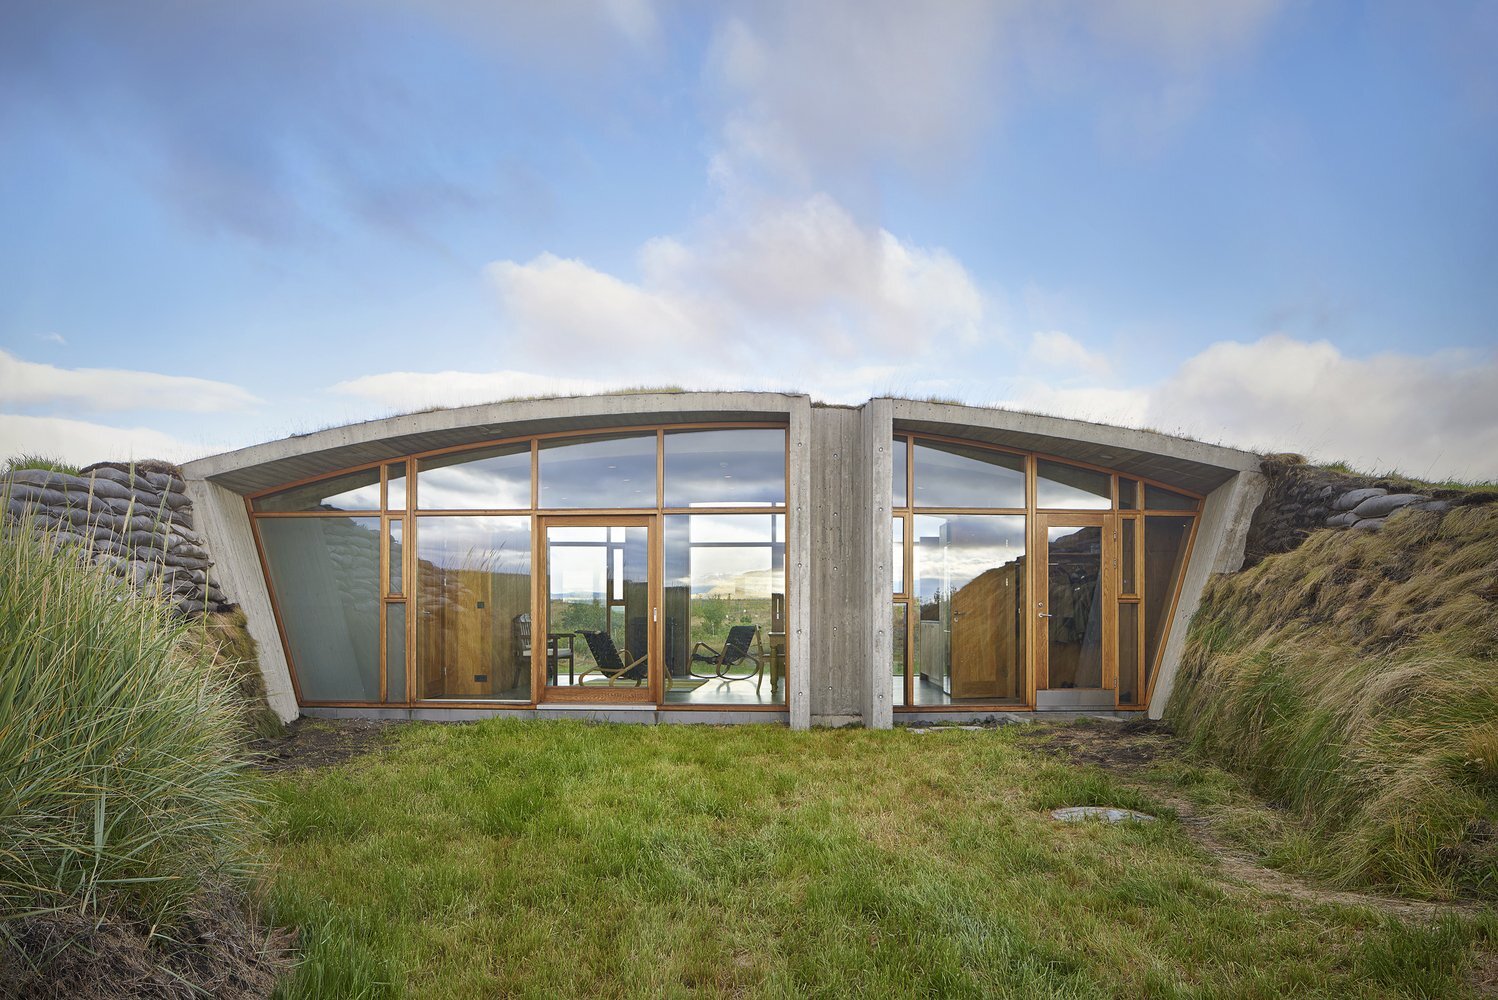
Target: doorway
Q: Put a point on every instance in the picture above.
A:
(598, 618)
(1076, 600)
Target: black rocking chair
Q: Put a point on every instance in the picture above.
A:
(607, 661)
(735, 651)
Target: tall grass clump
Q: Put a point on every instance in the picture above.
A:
(122, 788)
(1354, 681)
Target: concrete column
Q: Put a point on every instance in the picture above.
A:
(221, 519)
(802, 627)
(1220, 539)
(840, 523)
(877, 433)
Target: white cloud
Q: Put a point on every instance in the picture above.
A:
(756, 293)
(1063, 353)
(27, 383)
(80, 442)
(55, 338)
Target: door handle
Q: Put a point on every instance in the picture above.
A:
(1044, 615)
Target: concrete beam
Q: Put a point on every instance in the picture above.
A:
(1221, 535)
(225, 526)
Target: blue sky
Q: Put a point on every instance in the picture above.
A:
(1265, 223)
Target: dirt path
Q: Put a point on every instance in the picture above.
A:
(312, 743)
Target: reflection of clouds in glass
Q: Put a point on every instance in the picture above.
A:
(950, 475)
(953, 550)
(736, 528)
(607, 472)
(491, 544)
(354, 491)
(1061, 486)
(727, 555)
(731, 466)
(487, 479)
(575, 573)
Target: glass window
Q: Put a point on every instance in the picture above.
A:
(724, 614)
(1068, 487)
(733, 467)
(1128, 493)
(325, 575)
(350, 491)
(483, 479)
(955, 475)
(395, 652)
(900, 456)
(1128, 654)
(898, 628)
(1074, 607)
(1165, 541)
(397, 564)
(395, 486)
(1156, 498)
(603, 471)
(969, 639)
(897, 563)
(473, 608)
(1128, 557)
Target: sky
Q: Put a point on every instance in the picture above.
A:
(1262, 223)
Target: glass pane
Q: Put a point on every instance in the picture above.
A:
(897, 562)
(970, 580)
(611, 471)
(1074, 601)
(1128, 557)
(727, 468)
(898, 478)
(473, 607)
(598, 610)
(1067, 487)
(725, 623)
(325, 573)
(1128, 654)
(351, 491)
(395, 652)
(897, 651)
(396, 558)
(955, 475)
(1156, 498)
(395, 486)
(1165, 541)
(483, 479)
(1128, 493)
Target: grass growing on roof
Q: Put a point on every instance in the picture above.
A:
(1354, 680)
(563, 859)
(44, 463)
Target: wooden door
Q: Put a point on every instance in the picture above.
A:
(1076, 590)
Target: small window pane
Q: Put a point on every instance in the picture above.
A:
(397, 563)
(899, 456)
(1127, 557)
(733, 467)
(351, 491)
(1067, 487)
(898, 628)
(395, 652)
(325, 572)
(395, 486)
(483, 479)
(955, 475)
(1128, 493)
(1128, 654)
(898, 563)
(473, 614)
(1164, 559)
(1156, 498)
(602, 471)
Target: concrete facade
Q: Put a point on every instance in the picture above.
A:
(839, 540)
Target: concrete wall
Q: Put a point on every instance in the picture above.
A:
(222, 520)
(840, 518)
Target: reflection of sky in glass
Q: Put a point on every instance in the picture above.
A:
(395, 486)
(489, 544)
(485, 479)
(730, 467)
(354, 491)
(897, 480)
(598, 472)
(953, 550)
(726, 555)
(952, 475)
(1070, 488)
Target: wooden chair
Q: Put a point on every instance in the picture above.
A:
(609, 663)
(735, 651)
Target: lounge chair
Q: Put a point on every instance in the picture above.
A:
(607, 661)
(735, 651)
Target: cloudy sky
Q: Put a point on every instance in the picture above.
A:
(1270, 224)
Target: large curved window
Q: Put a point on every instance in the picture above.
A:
(602, 472)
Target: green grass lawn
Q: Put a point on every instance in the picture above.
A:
(560, 859)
